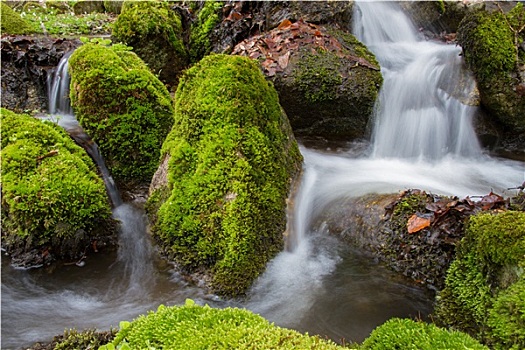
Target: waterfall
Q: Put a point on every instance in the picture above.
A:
(421, 110)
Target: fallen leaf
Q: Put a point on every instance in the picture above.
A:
(417, 223)
(284, 59)
(284, 24)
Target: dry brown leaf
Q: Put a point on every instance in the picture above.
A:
(283, 60)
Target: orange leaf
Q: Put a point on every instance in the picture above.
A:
(416, 223)
(284, 24)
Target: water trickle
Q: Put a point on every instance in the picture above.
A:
(61, 112)
(58, 88)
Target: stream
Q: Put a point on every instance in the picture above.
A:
(422, 138)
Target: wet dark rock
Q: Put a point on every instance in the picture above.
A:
(27, 62)
(383, 225)
(326, 79)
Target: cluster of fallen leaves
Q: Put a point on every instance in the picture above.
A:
(445, 208)
(274, 48)
(424, 248)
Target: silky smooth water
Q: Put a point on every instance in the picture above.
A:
(422, 138)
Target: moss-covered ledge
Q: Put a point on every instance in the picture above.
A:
(231, 159)
(54, 205)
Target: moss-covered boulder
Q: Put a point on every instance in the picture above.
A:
(484, 288)
(494, 49)
(154, 30)
(12, 22)
(327, 80)
(125, 109)
(202, 327)
(407, 334)
(53, 202)
(231, 156)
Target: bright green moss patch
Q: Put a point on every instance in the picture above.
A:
(154, 30)
(13, 23)
(407, 334)
(122, 106)
(484, 286)
(196, 327)
(499, 239)
(507, 317)
(233, 156)
(207, 18)
(50, 191)
(466, 298)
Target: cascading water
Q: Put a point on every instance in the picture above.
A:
(420, 112)
(318, 285)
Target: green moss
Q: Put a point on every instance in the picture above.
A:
(407, 334)
(88, 339)
(122, 106)
(491, 51)
(318, 75)
(196, 327)
(154, 31)
(207, 18)
(50, 190)
(507, 317)
(487, 43)
(485, 282)
(13, 23)
(499, 239)
(466, 298)
(232, 157)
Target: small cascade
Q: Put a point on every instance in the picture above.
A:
(58, 88)
(61, 112)
(422, 110)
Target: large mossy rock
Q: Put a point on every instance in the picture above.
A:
(494, 49)
(12, 22)
(230, 160)
(53, 202)
(327, 80)
(202, 327)
(125, 109)
(154, 30)
(484, 293)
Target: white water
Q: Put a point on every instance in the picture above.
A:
(318, 285)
